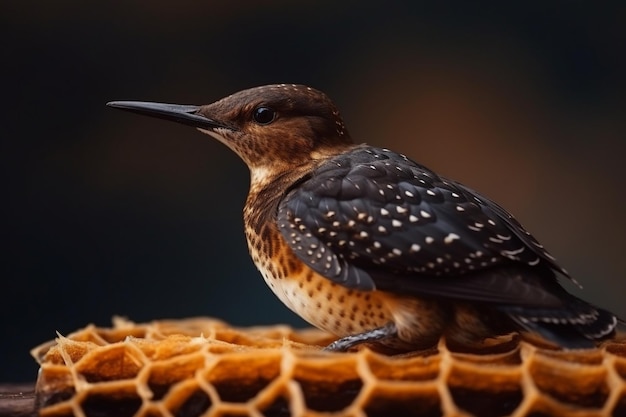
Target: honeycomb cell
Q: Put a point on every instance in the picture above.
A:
(421, 401)
(328, 384)
(241, 377)
(194, 405)
(493, 403)
(162, 375)
(569, 382)
(121, 401)
(97, 405)
(60, 386)
(187, 399)
(418, 368)
(331, 395)
(497, 385)
(53, 397)
(114, 362)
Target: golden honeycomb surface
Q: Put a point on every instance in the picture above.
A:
(205, 367)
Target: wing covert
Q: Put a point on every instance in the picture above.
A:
(372, 213)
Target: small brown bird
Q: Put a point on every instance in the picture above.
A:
(373, 247)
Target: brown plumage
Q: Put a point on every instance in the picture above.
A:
(373, 247)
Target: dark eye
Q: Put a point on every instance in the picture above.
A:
(264, 115)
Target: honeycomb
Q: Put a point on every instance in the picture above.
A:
(205, 367)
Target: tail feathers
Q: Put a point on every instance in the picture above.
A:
(601, 326)
(578, 325)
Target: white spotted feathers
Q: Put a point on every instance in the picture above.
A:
(375, 209)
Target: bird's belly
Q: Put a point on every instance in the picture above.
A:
(327, 305)
(335, 308)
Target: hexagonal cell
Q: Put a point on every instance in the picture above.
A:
(328, 383)
(55, 384)
(496, 403)
(241, 377)
(485, 391)
(195, 405)
(330, 396)
(164, 374)
(571, 383)
(121, 401)
(187, 399)
(405, 401)
(110, 363)
(48, 398)
(417, 368)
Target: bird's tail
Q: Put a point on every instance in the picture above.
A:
(577, 325)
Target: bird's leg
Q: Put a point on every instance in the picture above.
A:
(389, 330)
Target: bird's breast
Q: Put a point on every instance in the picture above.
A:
(317, 300)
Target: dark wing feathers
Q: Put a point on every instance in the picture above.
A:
(374, 219)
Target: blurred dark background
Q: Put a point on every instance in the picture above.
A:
(107, 213)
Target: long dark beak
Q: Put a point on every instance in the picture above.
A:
(184, 114)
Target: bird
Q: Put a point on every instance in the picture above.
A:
(375, 248)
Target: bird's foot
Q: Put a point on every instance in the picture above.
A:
(341, 345)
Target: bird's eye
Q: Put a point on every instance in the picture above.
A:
(264, 115)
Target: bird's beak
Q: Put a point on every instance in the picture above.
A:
(184, 114)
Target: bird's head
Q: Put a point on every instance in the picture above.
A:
(272, 128)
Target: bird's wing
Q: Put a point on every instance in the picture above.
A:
(375, 219)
